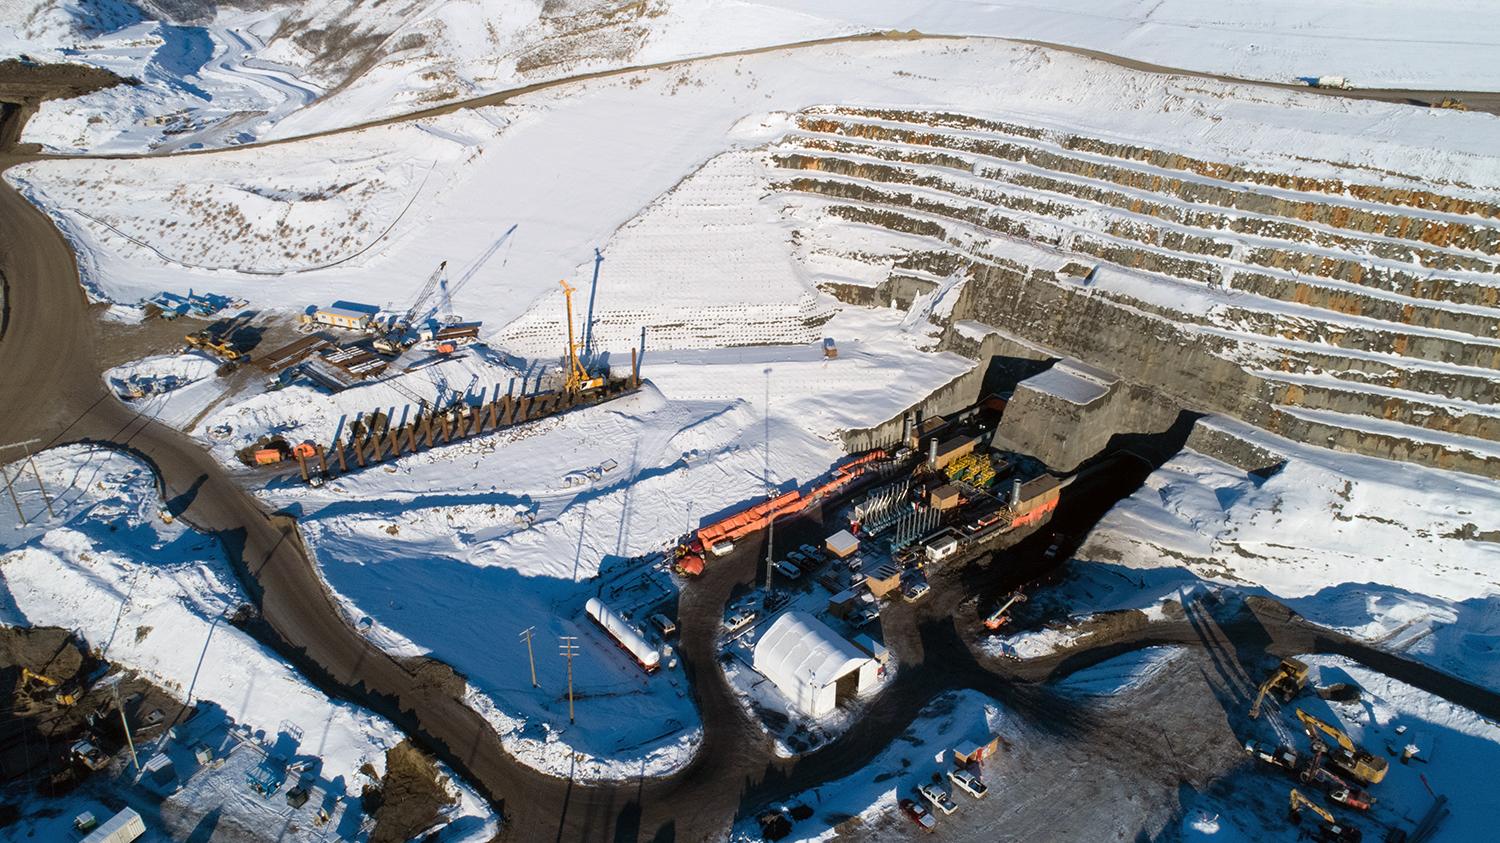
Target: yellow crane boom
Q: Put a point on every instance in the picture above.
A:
(1368, 768)
(1299, 802)
(578, 377)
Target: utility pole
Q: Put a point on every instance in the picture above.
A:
(126, 723)
(526, 636)
(15, 501)
(29, 461)
(8, 487)
(770, 488)
(569, 649)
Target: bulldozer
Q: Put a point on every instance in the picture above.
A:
(1287, 681)
(1342, 753)
(1452, 102)
(1330, 829)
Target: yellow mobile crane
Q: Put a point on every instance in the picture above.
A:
(579, 379)
(1331, 830)
(1287, 680)
(1368, 768)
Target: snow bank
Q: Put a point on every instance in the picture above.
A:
(156, 598)
(1392, 553)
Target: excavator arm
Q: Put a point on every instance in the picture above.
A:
(1299, 802)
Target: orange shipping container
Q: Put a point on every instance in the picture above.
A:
(305, 450)
(267, 456)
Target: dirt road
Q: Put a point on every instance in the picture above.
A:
(51, 353)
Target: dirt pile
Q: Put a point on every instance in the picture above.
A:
(409, 798)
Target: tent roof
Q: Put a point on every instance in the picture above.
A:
(800, 650)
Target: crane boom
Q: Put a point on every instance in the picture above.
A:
(1358, 763)
(578, 377)
(1299, 802)
(425, 293)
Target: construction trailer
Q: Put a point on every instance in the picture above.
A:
(348, 315)
(975, 751)
(842, 544)
(123, 827)
(884, 580)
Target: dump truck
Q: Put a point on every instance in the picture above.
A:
(1286, 681)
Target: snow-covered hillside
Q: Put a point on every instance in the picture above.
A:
(158, 599)
(1404, 557)
(215, 75)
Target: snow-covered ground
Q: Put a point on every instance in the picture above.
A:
(712, 261)
(172, 388)
(1456, 749)
(871, 795)
(1399, 555)
(235, 74)
(156, 598)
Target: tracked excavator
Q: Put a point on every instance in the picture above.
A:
(1342, 753)
(1286, 682)
(1330, 829)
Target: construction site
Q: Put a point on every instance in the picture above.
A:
(945, 426)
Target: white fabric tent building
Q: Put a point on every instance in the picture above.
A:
(814, 667)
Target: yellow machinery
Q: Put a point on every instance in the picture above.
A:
(1368, 768)
(579, 379)
(1287, 680)
(207, 341)
(1453, 103)
(1332, 829)
(63, 697)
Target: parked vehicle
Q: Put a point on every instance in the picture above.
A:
(938, 798)
(738, 621)
(788, 570)
(814, 553)
(664, 625)
(863, 616)
(918, 814)
(968, 783)
(797, 557)
(915, 591)
(1281, 756)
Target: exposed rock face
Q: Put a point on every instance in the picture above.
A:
(1363, 317)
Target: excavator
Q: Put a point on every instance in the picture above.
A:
(1000, 617)
(1342, 753)
(1287, 680)
(63, 697)
(1331, 830)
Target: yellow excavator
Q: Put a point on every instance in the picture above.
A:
(29, 676)
(1287, 680)
(1342, 753)
(1331, 829)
